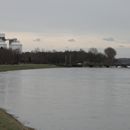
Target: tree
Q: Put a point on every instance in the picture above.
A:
(93, 51)
(110, 52)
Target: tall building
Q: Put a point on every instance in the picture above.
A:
(14, 44)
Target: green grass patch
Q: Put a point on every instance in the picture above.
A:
(8, 122)
(24, 67)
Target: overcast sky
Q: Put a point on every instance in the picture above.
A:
(68, 24)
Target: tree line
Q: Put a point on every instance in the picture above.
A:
(61, 58)
(8, 56)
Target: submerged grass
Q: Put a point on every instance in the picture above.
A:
(24, 67)
(8, 122)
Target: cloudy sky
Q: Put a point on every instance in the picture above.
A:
(68, 24)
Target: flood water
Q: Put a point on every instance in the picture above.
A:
(68, 98)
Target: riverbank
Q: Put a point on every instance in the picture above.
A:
(8, 122)
(24, 67)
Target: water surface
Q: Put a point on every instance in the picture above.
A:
(68, 99)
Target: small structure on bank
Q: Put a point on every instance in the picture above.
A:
(13, 43)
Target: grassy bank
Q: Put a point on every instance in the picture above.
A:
(8, 122)
(24, 67)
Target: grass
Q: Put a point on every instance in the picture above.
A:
(24, 67)
(8, 122)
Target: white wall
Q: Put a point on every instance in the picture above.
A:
(16, 46)
(3, 45)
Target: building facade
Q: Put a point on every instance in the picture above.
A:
(2, 41)
(13, 44)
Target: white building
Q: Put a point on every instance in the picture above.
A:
(2, 41)
(14, 44)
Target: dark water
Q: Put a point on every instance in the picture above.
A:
(68, 99)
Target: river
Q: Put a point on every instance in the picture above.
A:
(68, 98)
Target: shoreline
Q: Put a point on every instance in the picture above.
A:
(9, 122)
(4, 68)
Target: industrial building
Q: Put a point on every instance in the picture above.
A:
(12, 43)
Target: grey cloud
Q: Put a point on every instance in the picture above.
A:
(109, 39)
(37, 40)
(121, 46)
(71, 16)
(72, 40)
(123, 42)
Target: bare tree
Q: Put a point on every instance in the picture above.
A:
(93, 51)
